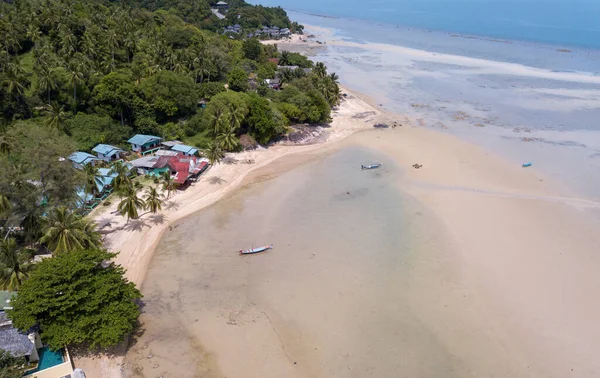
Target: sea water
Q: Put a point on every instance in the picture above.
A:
(547, 114)
(355, 286)
(568, 22)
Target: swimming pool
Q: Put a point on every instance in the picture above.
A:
(48, 359)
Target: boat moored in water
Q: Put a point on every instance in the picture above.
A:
(370, 166)
(256, 250)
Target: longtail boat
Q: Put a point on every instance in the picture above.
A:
(256, 250)
(370, 166)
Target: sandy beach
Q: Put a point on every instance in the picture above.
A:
(507, 284)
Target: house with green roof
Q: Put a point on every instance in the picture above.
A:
(108, 153)
(144, 144)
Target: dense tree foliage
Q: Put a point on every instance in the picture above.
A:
(98, 71)
(10, 366)
(78, 297)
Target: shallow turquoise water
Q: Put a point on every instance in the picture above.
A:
(556, 22)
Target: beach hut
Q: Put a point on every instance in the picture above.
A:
(151, 165)
(185, 149)
(144, 144)
(81, 159)
(222, 5)
(108, 153)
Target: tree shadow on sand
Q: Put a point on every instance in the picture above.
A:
(229, 160)
(215, 180)
(157, 219)
(171, 205)
(135, 225)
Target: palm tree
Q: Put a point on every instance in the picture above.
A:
(284, 60)
(14, 267)
(4, 204)
(65, 230)
(93, 180)
(75, 77)
(122, 180)
(168, 183)
(216, 120)
(320, 70)
(214, 153)
(46, 81)
(56, 117)
(153, 200)
(227, 139)
(334, 77)
(131, 203)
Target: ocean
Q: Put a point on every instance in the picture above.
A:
(352, 288)
(559, 22)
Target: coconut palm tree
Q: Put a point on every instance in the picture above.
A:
(214, 153)
(168, 183)
(130, 203)
(320, 70)
(74, 78)
(284, 60)
(93, 180)
(14, 267)
(227, 139)
(216, 118)
(334, 77)
(56, 117)
(153, 200)
(46, 81)
(122, 180)
(65, 230)
(4, 204)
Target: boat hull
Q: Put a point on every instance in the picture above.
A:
(370, 166)
(256, 250)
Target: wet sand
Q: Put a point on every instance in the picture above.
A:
(468, 266)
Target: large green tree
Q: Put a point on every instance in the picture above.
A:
(78, 298)
(170, 94)
(14, 264)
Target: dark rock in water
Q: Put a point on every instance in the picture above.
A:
(417, 166)
(380, 126)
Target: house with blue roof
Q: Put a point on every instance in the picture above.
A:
(144, 144)
(184, 149)
(81, 159)
(108, 153)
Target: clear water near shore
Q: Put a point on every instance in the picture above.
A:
(353, 287)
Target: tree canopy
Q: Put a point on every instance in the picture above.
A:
(78, 298)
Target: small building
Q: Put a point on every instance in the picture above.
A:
(144, 144)
(40, 361)
(108, 153)
(273, 83)
(221, 5)
(185, 150)
(170, 143)
(285, 32)
(151, 165)
(81, 159)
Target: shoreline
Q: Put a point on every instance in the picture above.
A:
(462, 164)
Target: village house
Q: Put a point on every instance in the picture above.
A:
(81, 159)
(273, 83)
(144, 144)
(40, 361)
(222, 6)
(184, 168)
(185, 149)
(108, 153)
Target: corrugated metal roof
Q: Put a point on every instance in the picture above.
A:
(141, 139)
(82, 157)
(185, 149)
(106, 149)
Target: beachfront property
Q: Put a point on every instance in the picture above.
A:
(185, 149)
(81, 159)
(108, 153)
(144, 144)
(183, 168)
(39, 360)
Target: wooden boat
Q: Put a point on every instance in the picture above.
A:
(256, 250)
(371, 166)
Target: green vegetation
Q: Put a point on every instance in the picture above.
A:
(10, 367)
(76, 73)
(97, 72)
(78, 298)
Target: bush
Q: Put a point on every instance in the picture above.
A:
(208, 90)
